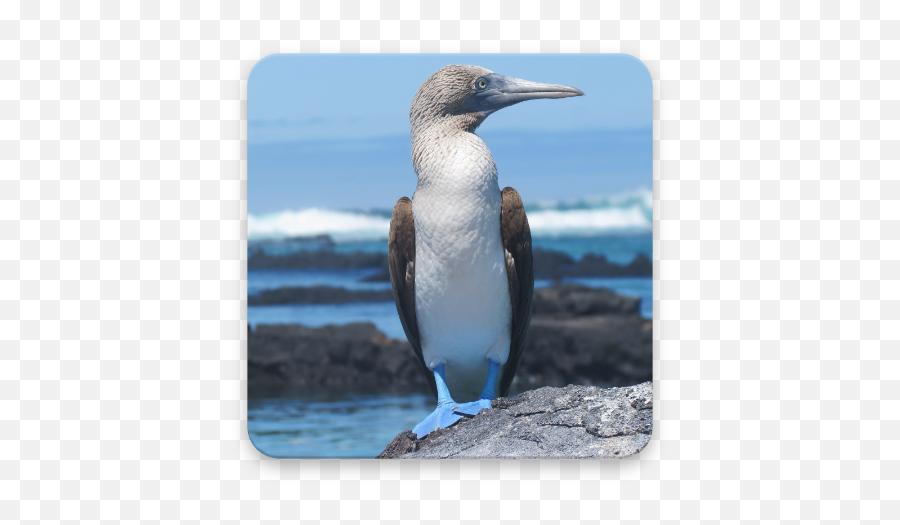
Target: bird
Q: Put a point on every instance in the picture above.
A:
(460, 250)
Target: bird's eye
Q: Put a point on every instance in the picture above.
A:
(482, 83)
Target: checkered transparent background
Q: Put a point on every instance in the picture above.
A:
(122, 223)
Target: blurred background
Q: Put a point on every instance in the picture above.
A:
(329, 371)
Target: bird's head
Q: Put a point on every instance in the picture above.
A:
(473, 93)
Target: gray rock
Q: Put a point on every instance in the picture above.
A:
(258, 259)
(550, 264)
(352, 357)
(565, 301)
(605, 351)
(570, 422)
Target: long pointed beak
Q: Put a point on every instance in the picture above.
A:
(501, 91)
(521, 90)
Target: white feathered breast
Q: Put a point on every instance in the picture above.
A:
(461, 289)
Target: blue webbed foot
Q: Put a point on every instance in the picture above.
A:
(473, 407)
(449, 411)
(442, 417)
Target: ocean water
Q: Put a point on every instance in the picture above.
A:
(333, 426)
(331, 174)
(351, 279)
(357, 425)
(382, 315)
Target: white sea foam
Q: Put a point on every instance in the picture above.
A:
(631, 211)
(583, 222)
(341, 225)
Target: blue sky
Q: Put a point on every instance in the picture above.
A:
(333, 130)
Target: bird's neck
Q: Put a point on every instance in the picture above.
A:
(446, 153)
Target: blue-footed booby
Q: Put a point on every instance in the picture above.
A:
(460, 250)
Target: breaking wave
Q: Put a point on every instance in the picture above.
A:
(340, 225)
(625, 212)
(630, 212)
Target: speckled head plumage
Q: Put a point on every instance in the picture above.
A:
(442, 97)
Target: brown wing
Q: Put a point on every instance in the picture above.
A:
(516, 238)
(402, 264)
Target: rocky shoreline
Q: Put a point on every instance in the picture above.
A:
(570, 422)
(578, 335)
(549, 264)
